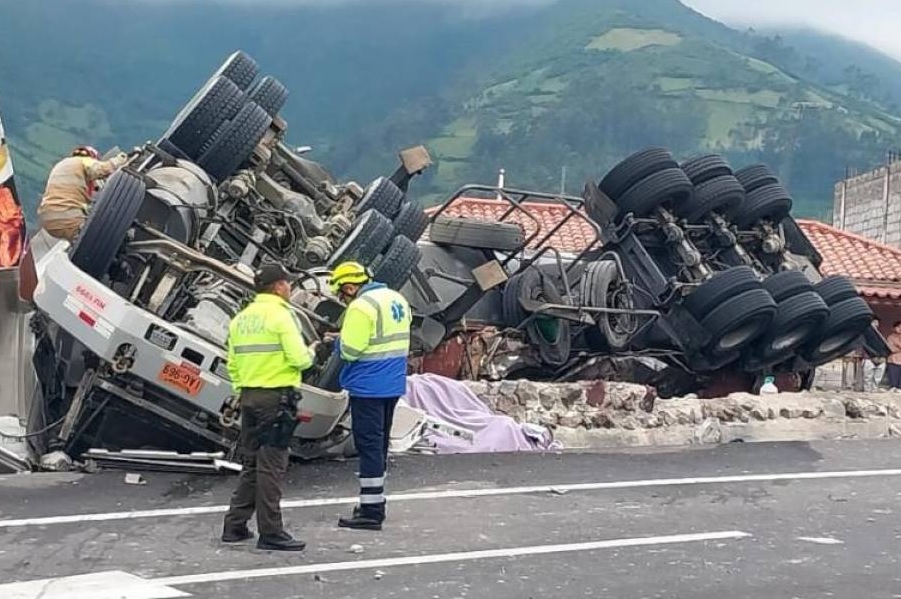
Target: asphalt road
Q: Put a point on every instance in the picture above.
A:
(744, 520)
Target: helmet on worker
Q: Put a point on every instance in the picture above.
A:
(348, 273)
(86, 152)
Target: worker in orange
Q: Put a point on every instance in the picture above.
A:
(70, 186)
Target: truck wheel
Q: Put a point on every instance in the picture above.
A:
(756, 176)
(233, 143)
(835, 289)
(396, 265)
(367, 240)
(704, 168)
(722, 194)
(513, 312)
(270, 94)
(722, 286)
(668, 185)
(789, 283)
(847, 321)
(771, 202)
(740, 320)
(635, 168)
(411, 221)
(552, 336)
(217, 102)
(112, 214)
(602, 288)
(240, 68)
(473, 233)
(382, 195)
(796, 321)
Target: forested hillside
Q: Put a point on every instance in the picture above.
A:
(578, 84)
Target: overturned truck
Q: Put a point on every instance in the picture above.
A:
(693, 266)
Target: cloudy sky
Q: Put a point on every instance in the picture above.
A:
(875, 22)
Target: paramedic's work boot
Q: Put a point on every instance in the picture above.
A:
(365, 519)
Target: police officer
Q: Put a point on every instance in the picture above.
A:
(266, 355)
(374, 344)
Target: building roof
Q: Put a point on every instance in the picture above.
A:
(874, 267)
(573, 237)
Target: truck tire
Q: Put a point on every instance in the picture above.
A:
(770, 202)
(381, 195)
(797, 320)
(395, 266)
(534, 285)
(217, 102)
(784, 285)
(739, 321)
(473, 233)
(756, 176)
(513, 312)
(366, 241)
(112, 213)
(411, 221)
(835, 289)
(240, 68)
(704, 168)
(723, 194)
(719, 288)
(665, 186)
(635, 168)
(270, 94)
(599, 290)
(847, 321)
(233, 143)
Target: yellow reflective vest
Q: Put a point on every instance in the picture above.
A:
(375, 343)
(266, 349)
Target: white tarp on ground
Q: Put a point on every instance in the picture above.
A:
(17, 379)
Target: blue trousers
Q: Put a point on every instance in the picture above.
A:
(371, 426)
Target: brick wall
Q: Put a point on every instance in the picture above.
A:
(865, 206)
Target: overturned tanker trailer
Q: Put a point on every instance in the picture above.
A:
(131, 319)
(690, 277)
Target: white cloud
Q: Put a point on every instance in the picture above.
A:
(873, 22)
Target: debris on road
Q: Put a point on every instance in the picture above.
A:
(355, 549)
(56, 461)
(134, 479)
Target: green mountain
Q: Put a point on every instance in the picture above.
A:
(577, 85)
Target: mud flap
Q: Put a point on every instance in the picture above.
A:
(16, 347)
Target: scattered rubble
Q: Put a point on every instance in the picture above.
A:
(604, 414)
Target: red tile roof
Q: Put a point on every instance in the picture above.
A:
(573, 237)
(874, 267)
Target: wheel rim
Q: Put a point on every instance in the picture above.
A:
(739, 336)
(836, 342)
(791, 339)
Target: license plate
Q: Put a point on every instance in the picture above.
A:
(182, 378)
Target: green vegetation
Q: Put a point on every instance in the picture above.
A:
(579, 85)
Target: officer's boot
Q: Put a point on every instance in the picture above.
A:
(280, 542)
(236, 534)
(368, 517)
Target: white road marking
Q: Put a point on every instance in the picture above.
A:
(465, 556)
(100, 585)
(462, 493)
(821, 540)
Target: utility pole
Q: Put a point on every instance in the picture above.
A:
(563, 180)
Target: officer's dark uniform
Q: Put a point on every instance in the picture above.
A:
(266, 355)
(374, 344)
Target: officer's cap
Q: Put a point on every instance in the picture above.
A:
(270, 274)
